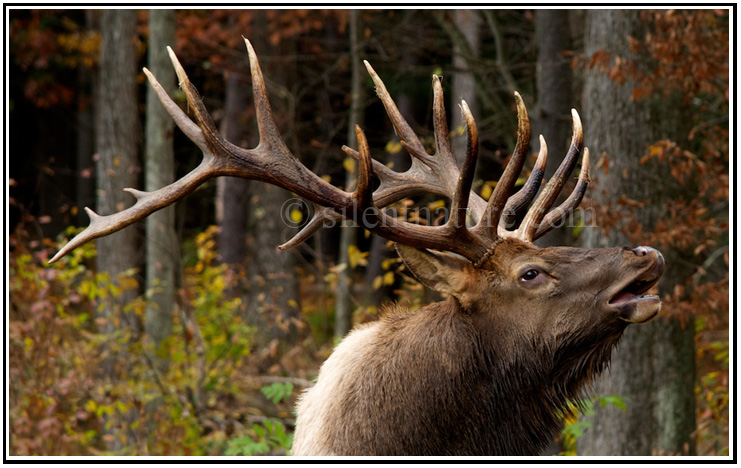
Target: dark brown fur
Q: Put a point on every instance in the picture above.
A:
(438, 386)
(488, 371)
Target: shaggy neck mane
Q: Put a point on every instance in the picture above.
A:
(496, 395)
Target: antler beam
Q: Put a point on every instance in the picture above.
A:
(272, 162)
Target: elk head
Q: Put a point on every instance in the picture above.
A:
(520, 320)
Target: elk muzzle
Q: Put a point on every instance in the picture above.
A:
(630, 300)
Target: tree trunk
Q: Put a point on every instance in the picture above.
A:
(653, 367)
(117, 142)
(163, 250)
(468, 23)
(273, 293)
(344, 307)
(552, 116)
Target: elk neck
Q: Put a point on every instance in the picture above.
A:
(479, 373)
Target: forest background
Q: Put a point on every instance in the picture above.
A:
(190, 334)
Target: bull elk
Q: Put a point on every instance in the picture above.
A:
(490, 369)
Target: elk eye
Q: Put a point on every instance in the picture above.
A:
(529, 275)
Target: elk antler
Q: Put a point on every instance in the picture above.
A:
(271, 161)
(220, 158)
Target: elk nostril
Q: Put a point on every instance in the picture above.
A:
(641, 251)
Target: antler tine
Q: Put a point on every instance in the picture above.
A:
(266, 127)
(181, 119)
(364, 191)
(447, 237)
(459, 203)
(537, 211)
(409, 139)
(440, 176)
(149, 202)
(383, 172)
(525, 195)
(443, 163)
(146, 204)
(321, 215)
(270, 161)
(203, 118)
(394, 186)
(490, 219)
(444, 150)
(571, 202)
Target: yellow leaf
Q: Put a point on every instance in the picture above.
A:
(91, 406)
(393, 147)
(437, 204)
(377, 282)
(388, 278)
(486, 191)
(28, 343)
(356, 257)
(349, 165)
(128, 283)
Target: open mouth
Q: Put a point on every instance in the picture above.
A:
(632, 302)
(635, 290)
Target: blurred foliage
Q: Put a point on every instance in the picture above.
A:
(577, 419)
(62, 405)
(270, 438)
(44, 45)
(278, 391)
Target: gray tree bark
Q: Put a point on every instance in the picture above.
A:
(117, 142)
(653, 367)
(552, 116)
(163, 250)
(117, 167)
(468, 23)
(344, 307)
(232, 194)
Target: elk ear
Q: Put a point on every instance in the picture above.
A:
(444, 272)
